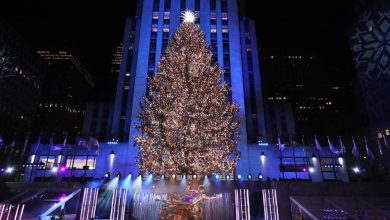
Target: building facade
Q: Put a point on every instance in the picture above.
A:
(67, 88)
(98, 120)
(313, 88)
(21, 78)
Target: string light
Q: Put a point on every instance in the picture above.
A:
(187, 123)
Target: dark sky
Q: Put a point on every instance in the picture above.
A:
(95, 27)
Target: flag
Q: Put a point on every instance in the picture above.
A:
(369, 152)
(281, 146)
(65, 140)
(81, 142)
(355, 150)
(25, 145)
(318, 145)
(12, 144)
(380, 146)
(332, 148)
(385, 141)
(342, 146)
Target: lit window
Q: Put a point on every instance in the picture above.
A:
(126, 87)
(213, 30)
(127, 74)
(154, 29)
(48, 161)
(387, 132)
(224, 16)
(225, 30)
(380, 135)
(248, 49)
(155, 15)
(167, 14)
(166, 30)
(78, 162)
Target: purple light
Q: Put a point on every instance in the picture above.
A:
(2, 169)
(62, 169)
(304, 169)
(63, 196)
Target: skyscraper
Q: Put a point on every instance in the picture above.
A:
(145, 38)
(21, 78)
(67, 87)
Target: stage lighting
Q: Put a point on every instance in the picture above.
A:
(119, 175)
(249, 176)
(162, 176)
(311, 169)
(9, 170)
(194, 177)
(173, 176)
(260, 176)
(112, 153)
(304, 169)
(217, 176)
(107, 175)
(239, 176)
(227, 177)
(62, 169)
(54, 169)
(356, 170)
(313, 157)
(262, 155)
(130, 175)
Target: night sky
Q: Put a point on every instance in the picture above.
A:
(95, 27)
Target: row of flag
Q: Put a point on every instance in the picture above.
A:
(341, 149)
(91, 142)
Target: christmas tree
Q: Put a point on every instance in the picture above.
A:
(187, 123)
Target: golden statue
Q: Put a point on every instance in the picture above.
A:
(185, 208)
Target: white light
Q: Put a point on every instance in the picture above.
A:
(54, 169)
(9, 170)
(311, 169)
(188, 17)
(356, 170)
(340, 160)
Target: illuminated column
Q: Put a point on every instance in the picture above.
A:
(270, 204)
(118, 204)
(241, 197)
(89, 202)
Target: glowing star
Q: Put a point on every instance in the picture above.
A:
(188, 17)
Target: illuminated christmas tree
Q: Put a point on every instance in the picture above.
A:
(187, 123)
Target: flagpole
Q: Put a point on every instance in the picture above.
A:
(281, 155)
(305, 155)
(333, 161)
(295, 164)
(319, 159)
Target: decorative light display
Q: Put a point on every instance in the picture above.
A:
(188, 126)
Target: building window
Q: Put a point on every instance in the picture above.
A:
(224, 6)
(78, 162)
(155, 15)
(213, 30)
(167, 15)
(167, 5)
(48, 161)
(182, 5)
(197, 5)
(213, 5)
(156, 5)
